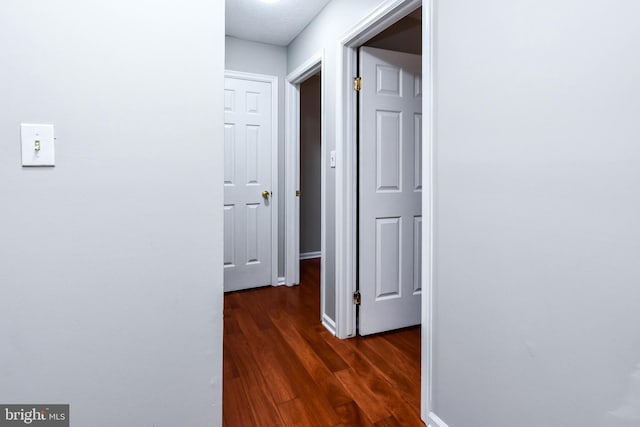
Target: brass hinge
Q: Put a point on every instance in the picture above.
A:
(357, 83)
(297, 193)
(356, 298)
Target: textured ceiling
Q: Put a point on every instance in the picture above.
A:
(278, 23)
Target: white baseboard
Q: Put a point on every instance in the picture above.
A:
(311, 255)
(434, 421)
(329, 323)
(282, 281)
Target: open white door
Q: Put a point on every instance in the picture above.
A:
(390, 190)
(248, 207)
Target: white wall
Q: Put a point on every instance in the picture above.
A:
(324, 32)
(262, 58)
(111, 262)
(537, 213)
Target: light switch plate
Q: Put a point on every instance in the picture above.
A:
(37, 145)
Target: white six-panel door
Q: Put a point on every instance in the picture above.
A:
(248, 143)
(390, 190)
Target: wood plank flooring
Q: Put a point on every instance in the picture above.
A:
(283, 368)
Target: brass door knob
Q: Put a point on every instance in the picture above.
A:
(266, 194)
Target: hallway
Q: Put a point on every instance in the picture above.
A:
(283, 368)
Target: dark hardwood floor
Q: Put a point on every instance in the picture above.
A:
(283, 368)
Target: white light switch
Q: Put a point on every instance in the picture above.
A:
(332, 159)
(37, 145)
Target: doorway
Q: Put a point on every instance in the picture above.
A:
(346, 184)
(371, 29)
(310, 178)
(310, 167)
(346, 196)
(310, 75)
(390, 177)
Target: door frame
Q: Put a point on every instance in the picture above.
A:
(314, 64)
(387, 13)
(273, 80)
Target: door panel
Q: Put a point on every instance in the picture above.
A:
(229, 237)
(388, 258)
(389, 190)
(248, 153)
(417, 254)
(388, 150)
(417, 152)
